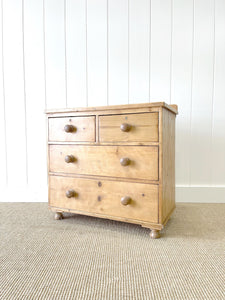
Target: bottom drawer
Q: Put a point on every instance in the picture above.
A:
(140, 201)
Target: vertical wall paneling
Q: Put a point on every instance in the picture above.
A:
(55, 53)
(76, 53)
(160, 50)
(35, 95)
(97, 52)
(3, 165)
(58, 53)
(218, 122)
(118, 51)
(202, 92)
(181, 83)
(139, 35)
(15, 100)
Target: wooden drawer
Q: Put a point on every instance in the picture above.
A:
(72, 129)
(104, 197)
(141, 127)
(106, 160)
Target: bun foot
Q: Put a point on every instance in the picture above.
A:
(58, 216)
(154, 234)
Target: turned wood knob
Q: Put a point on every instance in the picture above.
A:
(125, 200)
(69, 128)
(124, 161)
(125, 127)
(69, 158)
(70, 193)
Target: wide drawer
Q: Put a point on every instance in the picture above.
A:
(142, 161)
(141, 127)
(104, 197)
(72, 129)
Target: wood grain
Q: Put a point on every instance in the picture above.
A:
(96, 196)
(168, 163)
(144, 128)
(85, 129)
(105, 160)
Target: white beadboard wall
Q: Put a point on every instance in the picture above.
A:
(68, 53)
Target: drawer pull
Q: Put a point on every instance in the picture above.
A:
(125, 200)
(69, 159)
(125, 161)
(70, 193)
(69, 128)
(125, 127)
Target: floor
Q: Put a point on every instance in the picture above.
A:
(82, 257)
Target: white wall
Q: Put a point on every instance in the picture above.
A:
(68, 53)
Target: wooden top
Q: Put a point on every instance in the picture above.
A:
(172, 107)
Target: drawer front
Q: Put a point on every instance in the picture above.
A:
(104, 197)
(129, 128)
(140, 162)
(72, 129)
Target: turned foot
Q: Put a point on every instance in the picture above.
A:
(58, 216)
(155, 234)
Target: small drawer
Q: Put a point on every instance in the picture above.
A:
(138, 162)
(72, 129)
(135, 201)
(141, 127)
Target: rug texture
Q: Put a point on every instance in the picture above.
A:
(82, 257)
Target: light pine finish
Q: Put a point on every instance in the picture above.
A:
(83, 129)
(168, 162)
(129, 128)
(125, 173)
(139, 162)
(104, 197)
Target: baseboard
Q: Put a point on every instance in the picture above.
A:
(197, 194)
(200, 194)
(24, 194)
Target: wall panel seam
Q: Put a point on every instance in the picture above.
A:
(44, 56)
(171, 50)
(213, 88)
(128, 50)
(3, 95)
(149, 67)
(107, 48)
(65, 51)
(192, 74)
(24, 91)
(86, 39)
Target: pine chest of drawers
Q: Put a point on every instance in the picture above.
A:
(114, 162)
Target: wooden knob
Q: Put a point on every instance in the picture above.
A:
(125, 200)
(69, 128)
(70, 193)
(125, 127)
(125, 161)
(69, 158)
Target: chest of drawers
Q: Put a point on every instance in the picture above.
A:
(114, 162)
